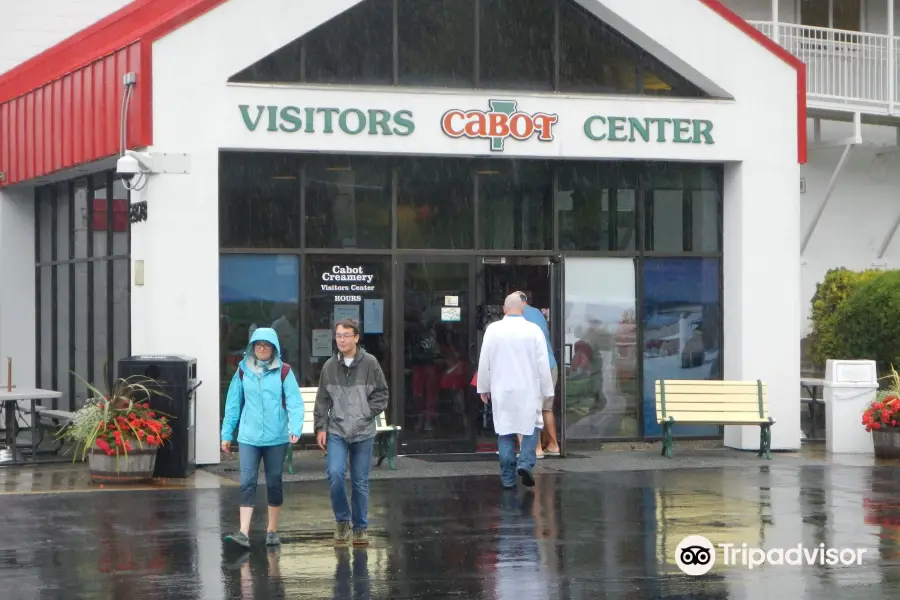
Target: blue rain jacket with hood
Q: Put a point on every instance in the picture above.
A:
(264, 421)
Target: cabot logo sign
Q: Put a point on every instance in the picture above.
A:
(503, 120)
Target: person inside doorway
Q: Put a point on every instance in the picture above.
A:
(549, 445)
(352, 392)
(514, 375)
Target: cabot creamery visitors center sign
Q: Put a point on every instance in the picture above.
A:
(503, 125)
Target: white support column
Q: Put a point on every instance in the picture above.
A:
(892, 62)
(775, 28)
(17, 314)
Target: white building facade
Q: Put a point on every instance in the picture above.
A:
(659, 201)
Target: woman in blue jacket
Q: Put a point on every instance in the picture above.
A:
(265, 398)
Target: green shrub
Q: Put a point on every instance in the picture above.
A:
(830, 295)
(867, 324)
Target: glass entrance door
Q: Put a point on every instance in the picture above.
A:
(439, 406)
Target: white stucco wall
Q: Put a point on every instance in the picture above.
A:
(17, 316)
(195, 112)
(29, 28)
(860, 213)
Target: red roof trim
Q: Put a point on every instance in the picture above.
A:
(770, 45)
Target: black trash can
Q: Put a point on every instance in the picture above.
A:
(176, 377)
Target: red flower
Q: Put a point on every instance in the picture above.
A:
(102, 444)
(152, 414)
(128, 446)
(151, 440)
(876, 425)
(140, 434)
(110, 452)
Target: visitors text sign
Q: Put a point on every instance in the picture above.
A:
(352, 121)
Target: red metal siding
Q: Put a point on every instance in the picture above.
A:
(72, 120)
(62, 107)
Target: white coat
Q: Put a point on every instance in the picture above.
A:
(515, 370)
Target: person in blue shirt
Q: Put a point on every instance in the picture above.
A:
(265, 398)
(550, 446)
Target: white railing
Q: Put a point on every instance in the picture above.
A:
(842, 67)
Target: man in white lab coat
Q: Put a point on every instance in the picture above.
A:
(514, 374)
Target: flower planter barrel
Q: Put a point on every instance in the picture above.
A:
(887, 442)
(136, 467)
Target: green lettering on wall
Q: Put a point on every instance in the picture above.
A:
(291, 117)
(273, 118)
(379, 119)
(344, 121)
(251, 124)
(589, 129)
(661, 129)
(329, 115)
(682, 131)
(310, 120)
(404, 122)
(617, 126)
(703, 128)
(643, 129)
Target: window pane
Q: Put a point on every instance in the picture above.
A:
(119, 226)
(371, 308)
(121, 310)
(704, 184)
(101, 358)
(98, 214)
(515, 204)
(664, 209)
(814, 13)
(63, 225)
(434, 204)
(596, 205)
(46, 197)
(259, 200)
(258, 291)
(81, 333)
(516, 44)
(601, 349)
(63, 339)
(46, 320)
(82, 214)
(348, 202)
(682, 329)
(437, 42)
(354, 47)
(660, 80)
(594, 58)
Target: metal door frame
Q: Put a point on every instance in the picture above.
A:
(419, 446)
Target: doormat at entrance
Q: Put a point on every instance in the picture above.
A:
(477, 457)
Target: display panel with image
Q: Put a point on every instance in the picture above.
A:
(600, 349)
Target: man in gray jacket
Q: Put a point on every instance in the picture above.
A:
(352, 392)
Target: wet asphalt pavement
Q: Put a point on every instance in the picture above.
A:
(575, 535)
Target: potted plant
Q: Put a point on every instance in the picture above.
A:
(882, 418)
(118, 432)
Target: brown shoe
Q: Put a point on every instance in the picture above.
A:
(342, 533)
(360, 537)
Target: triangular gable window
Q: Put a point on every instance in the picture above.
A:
(541, 45)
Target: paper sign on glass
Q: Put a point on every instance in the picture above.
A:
(451, 300)
(321, 342)
(450, 313)
(373, 315)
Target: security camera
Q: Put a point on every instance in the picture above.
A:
(128, 165)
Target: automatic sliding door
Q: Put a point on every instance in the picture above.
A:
(434, 370)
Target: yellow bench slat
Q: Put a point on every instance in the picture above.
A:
(707, 390)
(708, 382)
(691, 406)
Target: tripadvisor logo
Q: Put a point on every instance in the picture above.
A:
(502, 121)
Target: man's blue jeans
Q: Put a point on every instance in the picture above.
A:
(360, 454)
(506, 444)
(273, 459)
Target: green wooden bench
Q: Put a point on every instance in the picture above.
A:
(688, 402)
(386, 436)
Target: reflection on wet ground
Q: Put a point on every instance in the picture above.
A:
(576, 535)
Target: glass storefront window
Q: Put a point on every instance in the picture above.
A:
(348, 202)
(515, 205)
(342, 286)
(434, 204)
(600, 343)
(516, 44)
(436, 43)
(596, 205)
(258, 291)
(682, 330)
(259, 200)
(354, 47)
